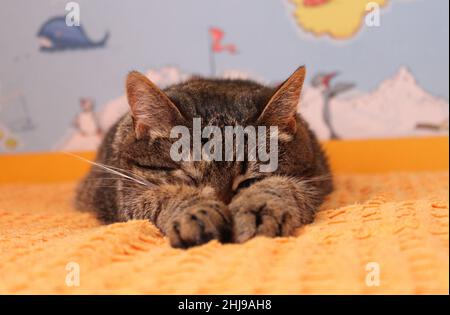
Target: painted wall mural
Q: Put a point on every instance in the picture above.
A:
(56, 35)
(339, 19)
(388, 78)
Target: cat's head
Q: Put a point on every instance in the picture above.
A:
(143, 140)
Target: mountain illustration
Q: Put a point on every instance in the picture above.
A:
(395, 109)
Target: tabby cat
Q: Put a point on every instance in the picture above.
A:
(192, 202)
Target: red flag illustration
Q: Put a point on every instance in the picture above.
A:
(216, 45)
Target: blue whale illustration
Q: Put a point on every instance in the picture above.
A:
(56, 35)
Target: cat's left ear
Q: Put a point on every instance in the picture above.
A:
(281, 110)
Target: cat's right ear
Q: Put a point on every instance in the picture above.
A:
(281, 109)
(154, 114)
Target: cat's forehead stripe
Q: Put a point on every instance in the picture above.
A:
(213, 99)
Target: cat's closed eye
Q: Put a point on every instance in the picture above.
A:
(246, 183)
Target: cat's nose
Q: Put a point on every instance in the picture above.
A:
(226, 198)
(224, 193)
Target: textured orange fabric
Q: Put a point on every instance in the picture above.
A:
(397, 220)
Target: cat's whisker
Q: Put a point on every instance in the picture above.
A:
(124, 184)
(126, 171)
(110, 170)
(320, 178)
(115, 187)
(123, 180)
(108, 180)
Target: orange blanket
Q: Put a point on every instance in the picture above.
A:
(375, 234)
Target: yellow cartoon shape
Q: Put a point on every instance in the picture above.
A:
(340, 19)
(11, 143)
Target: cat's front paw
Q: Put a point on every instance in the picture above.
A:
(200, 224)
(262, 216)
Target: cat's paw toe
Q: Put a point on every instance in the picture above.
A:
(261, 219)
(198, 226)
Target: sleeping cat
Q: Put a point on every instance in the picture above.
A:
(192, 202)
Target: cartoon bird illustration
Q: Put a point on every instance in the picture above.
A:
(322, 82)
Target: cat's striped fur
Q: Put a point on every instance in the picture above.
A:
(195, 201)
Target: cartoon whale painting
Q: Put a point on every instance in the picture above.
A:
(56, 35)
